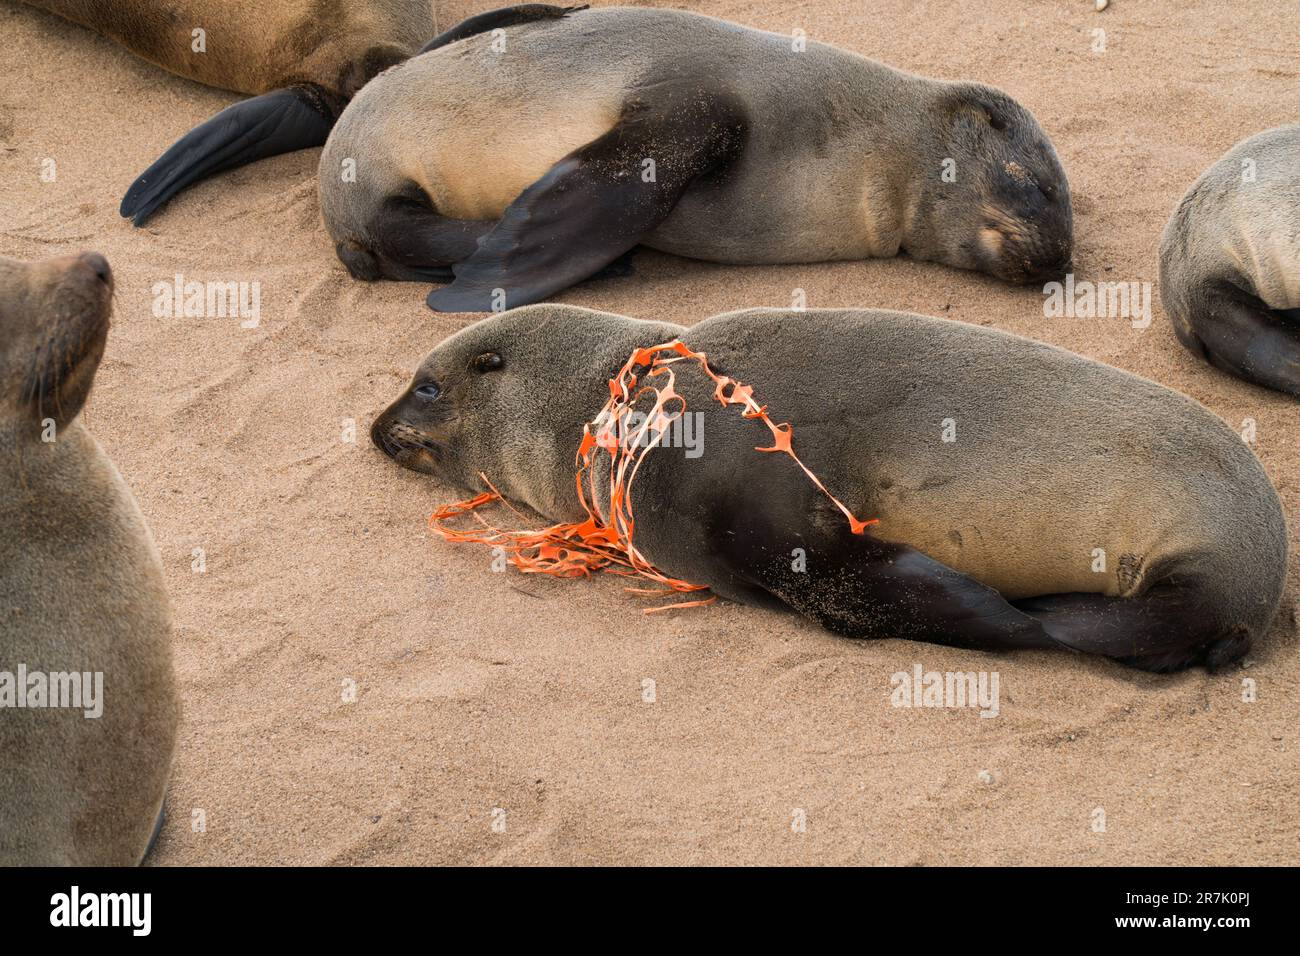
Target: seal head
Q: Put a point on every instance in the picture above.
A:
(53, 335)
(508, 397)
(997, 201)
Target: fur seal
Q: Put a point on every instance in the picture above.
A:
(1230, 262)
(81, 594)
(301, 59)
(1076, 505)
(522, 161)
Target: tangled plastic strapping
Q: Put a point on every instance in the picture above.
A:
(594, 544)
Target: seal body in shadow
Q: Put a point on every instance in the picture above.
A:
(1027, 497)
(1230, 262)
(88, 704)
(520, 160)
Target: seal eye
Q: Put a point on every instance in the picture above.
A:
(428, 390)
(488, 362)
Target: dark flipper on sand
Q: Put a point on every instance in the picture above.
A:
(297, 117)
(599, 201)
(892, 590)
(499, 20)
(861, 586)
(1167, 629)
(1240, 335)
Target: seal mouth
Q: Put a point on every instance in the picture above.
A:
(407, 445)
(73, 338)
(1027, 230)
(1019, 251)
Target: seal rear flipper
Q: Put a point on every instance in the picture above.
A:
(1242, 336)
(297, 117)
(497, 20)
(1166, 629)
(599, 201)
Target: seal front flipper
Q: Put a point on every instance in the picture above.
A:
(293, 118)
(879, 589)
(1240, 335)
(864, 587)
(498, 20)
(599, 201)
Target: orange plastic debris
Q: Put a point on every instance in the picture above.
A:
(576, 549)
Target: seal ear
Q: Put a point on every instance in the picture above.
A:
(978, 107)
(994, 114)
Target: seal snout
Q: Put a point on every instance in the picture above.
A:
(87, 285)
(359, 260)
(380, 432)
(1054, 271)
(397, 435)
(99, 266)
(1012, 259)
(1029, 243)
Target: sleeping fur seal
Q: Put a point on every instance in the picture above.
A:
(523, 160)
(81, 591)
(302, 59)
(1230, 262)
(1077, 505)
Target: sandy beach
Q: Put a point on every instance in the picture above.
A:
(502, 719)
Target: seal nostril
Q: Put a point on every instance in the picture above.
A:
(379, 435)
(99, 265)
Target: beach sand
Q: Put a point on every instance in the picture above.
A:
(501, 719)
